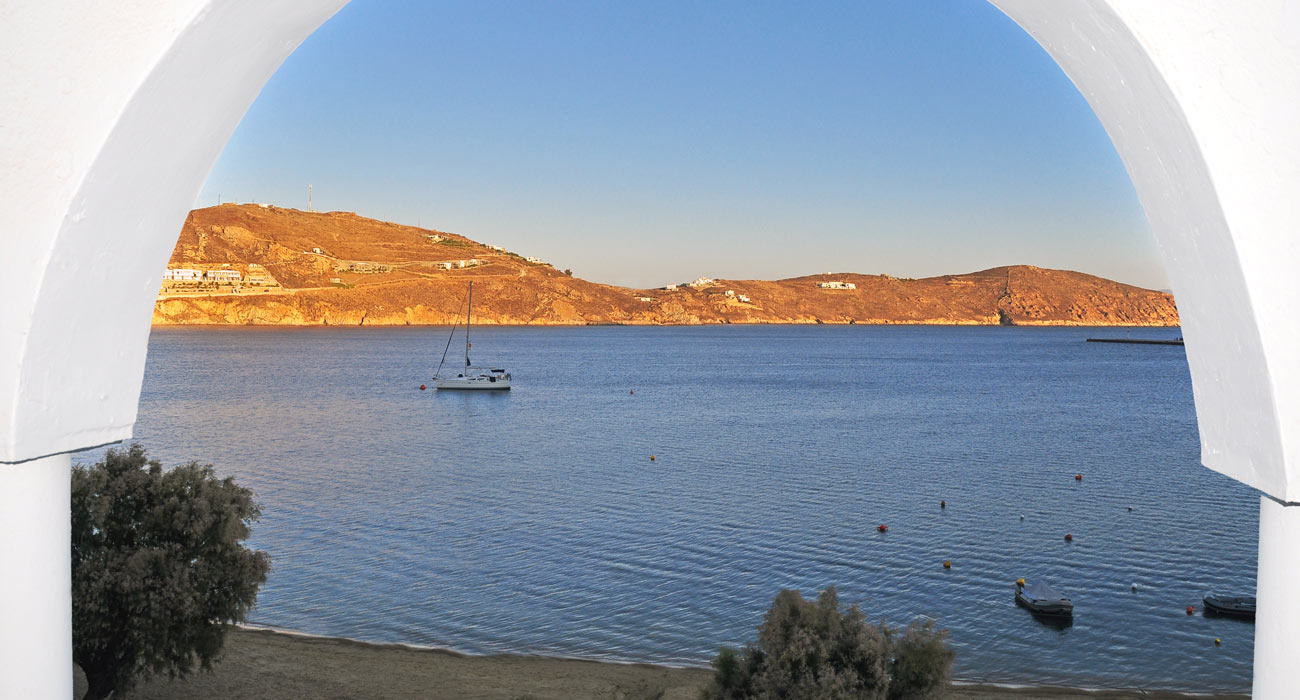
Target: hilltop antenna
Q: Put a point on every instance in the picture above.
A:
(309, 199)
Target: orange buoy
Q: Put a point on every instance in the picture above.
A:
(421, 387)
(1069, 537)
(1078, 477)
(947, 564)
(652, 458)
(1020, 582)
(943, 504)
(882, 528)
(1191, 609)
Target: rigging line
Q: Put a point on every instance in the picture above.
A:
(450, 335)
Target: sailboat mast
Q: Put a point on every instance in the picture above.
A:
(469, 313)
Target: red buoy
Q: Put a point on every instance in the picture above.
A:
(1078, 477)
(943, 504)
(882, 528)
(421, 387)
(1191, 609)
(1069, 537)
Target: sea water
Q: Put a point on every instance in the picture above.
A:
(535, 521)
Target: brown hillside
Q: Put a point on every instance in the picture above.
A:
(378, 273)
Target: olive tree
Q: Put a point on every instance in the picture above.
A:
(159, 569)
(815, 650)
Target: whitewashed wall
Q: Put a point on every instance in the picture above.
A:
(112, 114)
(111, 117)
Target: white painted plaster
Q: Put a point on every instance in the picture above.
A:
(112, 117)
(113, 114)
(36, 583)
(1199, 98)
(1277, 646)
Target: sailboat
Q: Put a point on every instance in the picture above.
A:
(471, 377)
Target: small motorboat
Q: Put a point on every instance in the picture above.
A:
(1042, 599)
(1232, 606)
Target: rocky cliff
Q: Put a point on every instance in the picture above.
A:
(342, 269)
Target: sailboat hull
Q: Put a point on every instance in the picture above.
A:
(473, 383)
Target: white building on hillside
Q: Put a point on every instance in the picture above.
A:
(182, 274)
(223, 276)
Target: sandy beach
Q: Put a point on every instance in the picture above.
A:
(264, 664)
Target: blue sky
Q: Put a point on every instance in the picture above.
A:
(648, 143)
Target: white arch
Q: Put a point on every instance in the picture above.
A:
(113, 116)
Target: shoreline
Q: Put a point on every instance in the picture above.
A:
(265, 662)
(621, 324)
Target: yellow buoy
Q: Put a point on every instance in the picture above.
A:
(1020, 582)
(1217, 641)
(947, 564)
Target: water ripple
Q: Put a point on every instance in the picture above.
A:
(535, 522)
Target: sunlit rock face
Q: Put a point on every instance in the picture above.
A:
(342, 269)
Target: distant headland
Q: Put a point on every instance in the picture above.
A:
(256, 264)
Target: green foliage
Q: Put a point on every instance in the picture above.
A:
(568, 272)
(815, 650)
(454, 242)
(159, 571)
(922, 666)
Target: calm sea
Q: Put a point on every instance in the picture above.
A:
(536, 522)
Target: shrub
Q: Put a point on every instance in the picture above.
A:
(159, 570)
(815, 650)
(922, 665)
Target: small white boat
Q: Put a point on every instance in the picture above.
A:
(471, 377)
(476, 378)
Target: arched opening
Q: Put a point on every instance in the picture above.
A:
(138, 180)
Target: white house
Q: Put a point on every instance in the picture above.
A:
(182, 274)
(220, 276)
(836, 285)
(701, 282)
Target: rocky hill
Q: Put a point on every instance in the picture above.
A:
(336, 268)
